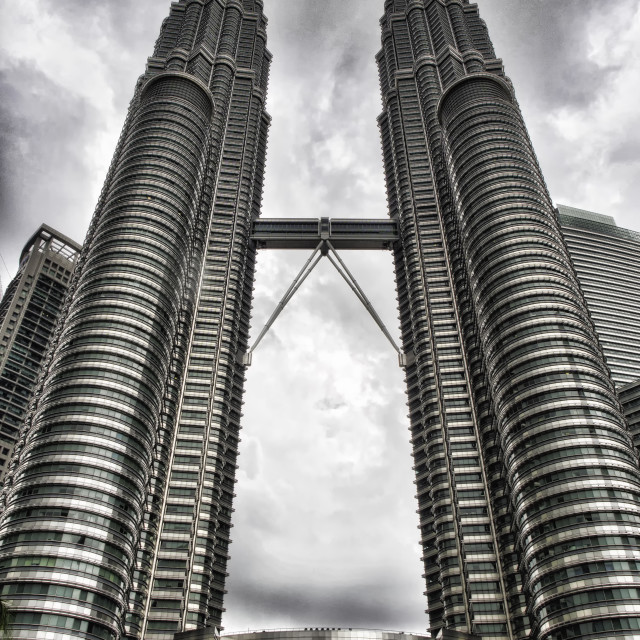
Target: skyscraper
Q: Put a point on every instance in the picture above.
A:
(527, 481)
(28, 314)
(607, 261)
(137, 419)
(118, 502)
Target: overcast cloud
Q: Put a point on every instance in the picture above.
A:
(325, 525)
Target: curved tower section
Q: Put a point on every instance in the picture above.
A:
(142, 374)
(569, 459)
(528, 484)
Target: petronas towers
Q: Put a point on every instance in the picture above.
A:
(117, 506)
(137, 418)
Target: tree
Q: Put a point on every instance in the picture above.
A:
(5, 620)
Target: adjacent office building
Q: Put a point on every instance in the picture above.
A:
(118, 500)
(28, 314)
(607, 260)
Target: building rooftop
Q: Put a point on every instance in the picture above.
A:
(56, 241)
(574, 212)
(596, 222)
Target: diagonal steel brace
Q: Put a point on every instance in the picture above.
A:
(325, 248)
(307, 268)
(349, 278)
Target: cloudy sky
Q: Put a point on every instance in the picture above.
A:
(325, 525)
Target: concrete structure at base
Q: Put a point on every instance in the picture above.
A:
(29, 311)
(319, 633)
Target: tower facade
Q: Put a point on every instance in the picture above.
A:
(29, 311)
(527, 480)
(118, 499)
(137, 418)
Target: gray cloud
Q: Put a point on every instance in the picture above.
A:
(626, 151)
(547, 43)
(45, 134)
(358, 606)
(108, 19)
(575, 71)
(325, 524)
(120, 31)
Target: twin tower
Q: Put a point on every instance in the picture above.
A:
(117, 506)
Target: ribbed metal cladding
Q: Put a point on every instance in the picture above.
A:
(607, 261)
(471, 578)
(119, 498)
(84, 466)
(572, 470)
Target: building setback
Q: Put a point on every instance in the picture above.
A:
(28, 314)
(118, 500)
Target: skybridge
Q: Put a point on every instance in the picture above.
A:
(306, 233)
(324, 236)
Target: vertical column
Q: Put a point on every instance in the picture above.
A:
(189, 571)
(179, 56)
(473, 60)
